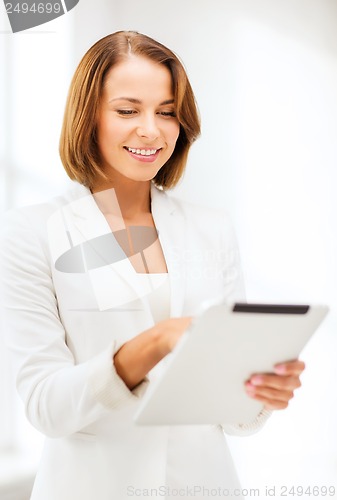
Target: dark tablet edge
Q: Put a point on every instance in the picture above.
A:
(270, 308)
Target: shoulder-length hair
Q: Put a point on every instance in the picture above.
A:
(79, 150)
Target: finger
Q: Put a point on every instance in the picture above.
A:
(271, 398)
(273, 404)
(294, 367)
(269, 393)
(278, 382)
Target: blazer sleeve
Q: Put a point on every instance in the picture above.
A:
(233, 279)
(60, 397)
(250, 428)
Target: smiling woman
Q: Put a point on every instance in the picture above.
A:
(93, 91)
(97, 290)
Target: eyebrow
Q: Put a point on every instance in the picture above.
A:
(137, 101)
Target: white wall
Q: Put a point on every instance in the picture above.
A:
(265, 76)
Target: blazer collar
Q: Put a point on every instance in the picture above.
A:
(170, 224)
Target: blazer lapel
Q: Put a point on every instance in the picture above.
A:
(170, 224)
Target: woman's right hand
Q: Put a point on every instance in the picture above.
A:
(140, 354)
(172, 330)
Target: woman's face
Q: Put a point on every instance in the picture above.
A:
(137, 128)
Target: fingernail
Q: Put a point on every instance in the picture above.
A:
(256, 380)
(280, 369)
(250, 388)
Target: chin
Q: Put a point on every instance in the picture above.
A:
(143, 176)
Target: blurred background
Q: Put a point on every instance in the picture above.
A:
(265, 76)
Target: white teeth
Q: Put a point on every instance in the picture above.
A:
(143, 152)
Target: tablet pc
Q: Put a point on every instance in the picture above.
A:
(203, 381)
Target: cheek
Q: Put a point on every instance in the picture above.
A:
(111, 133)
(173, 132)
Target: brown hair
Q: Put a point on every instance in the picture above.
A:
(78, 146)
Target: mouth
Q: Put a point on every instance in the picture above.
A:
(143, 155)
(142, 152)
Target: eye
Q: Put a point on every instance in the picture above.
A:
(167, 113)
(126, 112)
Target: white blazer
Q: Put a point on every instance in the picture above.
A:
(63, 329)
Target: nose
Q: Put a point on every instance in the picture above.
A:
(148, 128)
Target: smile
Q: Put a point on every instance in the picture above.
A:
(142, 152)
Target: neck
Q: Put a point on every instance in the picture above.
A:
(129, 199)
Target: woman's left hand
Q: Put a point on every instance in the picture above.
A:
(275, 390)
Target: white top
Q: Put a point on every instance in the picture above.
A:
(159, 294)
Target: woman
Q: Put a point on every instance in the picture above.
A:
(101, 282)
